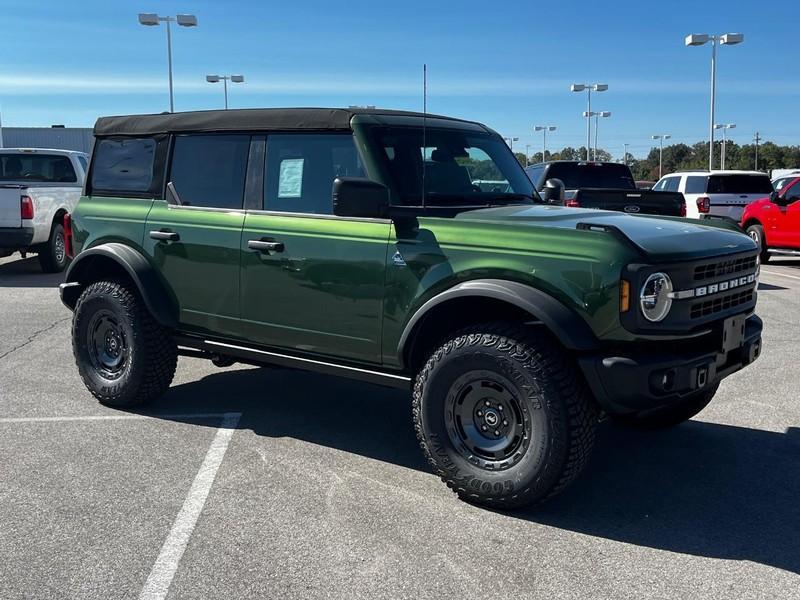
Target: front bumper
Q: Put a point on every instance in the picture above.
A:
(632, 382)
(16, 238)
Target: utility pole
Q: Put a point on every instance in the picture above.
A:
(625, 154)
(756, 139)
(527, 152)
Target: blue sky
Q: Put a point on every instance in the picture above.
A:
(506, 63)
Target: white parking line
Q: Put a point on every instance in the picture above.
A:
(160, 578)
(780, 274)
(112, 418)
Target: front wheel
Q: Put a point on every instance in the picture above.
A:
(53, 255)
(123, 355)
(756, 232)
(502, 416)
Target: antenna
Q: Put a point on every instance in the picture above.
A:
(424, 126)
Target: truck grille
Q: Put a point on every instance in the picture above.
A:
(710, 307)
(722, 268)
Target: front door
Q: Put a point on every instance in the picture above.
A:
(311, 281)
(194, 239)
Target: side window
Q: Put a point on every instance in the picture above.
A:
(123, 165)
(535, 174)
(696, 184)
(659, 187)
(671, 184)
(209, 170)
(83, 163)
(301, 168)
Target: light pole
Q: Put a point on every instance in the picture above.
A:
(588, 87)
(625, 154)
(723, 126)
(660, 138)
(597, 116)
(698, 39)
(544, 129)
(151, 19)
(527, 153)
(510, 141)
(224, 79)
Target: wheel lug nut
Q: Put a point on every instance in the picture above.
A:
(499, 407)
(505, 423)
(487, 403)
(480, 413)
(497, 433)
(484, 428)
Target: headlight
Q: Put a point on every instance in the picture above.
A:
(654, 297)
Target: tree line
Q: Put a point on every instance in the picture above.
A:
(681, 157)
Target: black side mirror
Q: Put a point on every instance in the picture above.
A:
(553, 192)
(773, 196)
(359, 197)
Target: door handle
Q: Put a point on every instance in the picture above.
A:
(165, 236)
(265, 246)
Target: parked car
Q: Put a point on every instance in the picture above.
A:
(783, 180)
(37, 188)
(717, 193)
(607, 186)
(774, 222)
(310, 239)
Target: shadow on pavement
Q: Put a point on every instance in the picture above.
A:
(704, 489)
(26, 273)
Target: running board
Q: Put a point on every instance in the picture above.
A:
(784, 252)
(270, 357)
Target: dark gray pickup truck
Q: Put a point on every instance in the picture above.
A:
(608, 186)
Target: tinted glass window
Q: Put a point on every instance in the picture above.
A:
(301, 169)
(592, 175)
(36, 167)
(781, 183)
(535, 173)
(124, 165)
(696, 184)
(792, 190)
(739, 184)
(84, 163)
(670, 184)
(659, 186)
(209, 170)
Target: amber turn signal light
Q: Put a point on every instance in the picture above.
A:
(624, 296)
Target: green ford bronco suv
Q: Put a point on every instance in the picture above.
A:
(359, 243)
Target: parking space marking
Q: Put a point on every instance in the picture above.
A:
(112, 418)
(166, 565)
(780, 274)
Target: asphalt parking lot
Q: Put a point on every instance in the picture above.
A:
(245, 482)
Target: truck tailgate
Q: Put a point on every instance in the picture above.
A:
(9, 205)
(644, 202)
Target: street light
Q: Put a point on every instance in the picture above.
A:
(588, 87)
(660, 138)
(597, 116)
(698, 39)
(510, 141)
(225, 79)
(544, 129)
(151, 19)
(723, 126)
(527, 153)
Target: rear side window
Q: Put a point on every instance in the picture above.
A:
(696, 184)
(301, 169)
(209, 170)
(592, 175)
(123, 165)
(35, 167)
(739, 184)
(84, 163)
(670, 184)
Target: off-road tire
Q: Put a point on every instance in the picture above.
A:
(672, 415)
(53, 253)
(756, 232)
(151, 357)
(545, 385)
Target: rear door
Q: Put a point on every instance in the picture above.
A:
(312, 281)
(729, 193)
(195, 243)
(785, 229)
(694, 188)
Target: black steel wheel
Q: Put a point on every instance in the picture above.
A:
(502, 415)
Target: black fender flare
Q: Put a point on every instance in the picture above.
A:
(571, 330)
(155, 295)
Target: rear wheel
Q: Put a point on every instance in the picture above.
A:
(53, 255)
(756, 232)
(502, 417)
(123, 355)
(672, 415)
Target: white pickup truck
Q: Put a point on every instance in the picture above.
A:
(37, 188)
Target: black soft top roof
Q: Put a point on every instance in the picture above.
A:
(247, 119)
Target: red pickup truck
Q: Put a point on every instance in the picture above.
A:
(774, 222)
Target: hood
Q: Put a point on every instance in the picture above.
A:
(660, 238)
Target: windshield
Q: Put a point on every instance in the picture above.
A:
(47, 168)
(591, 175)
(460, 167)
(739, 184)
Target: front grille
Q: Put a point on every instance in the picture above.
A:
(710, 307)
(726, 267)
